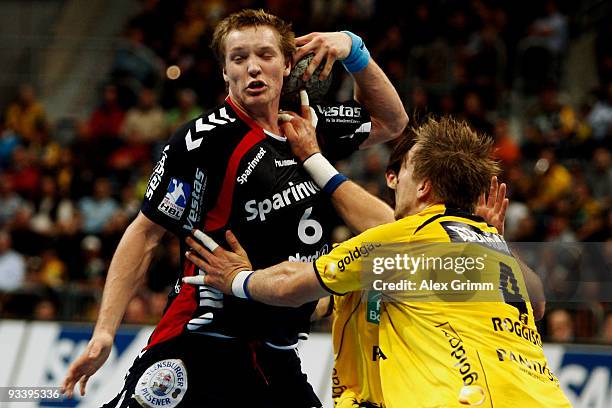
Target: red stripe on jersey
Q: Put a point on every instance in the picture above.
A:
(242, 115)
(178, 314)
(218, 216)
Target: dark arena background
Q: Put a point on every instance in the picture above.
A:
(91, 90)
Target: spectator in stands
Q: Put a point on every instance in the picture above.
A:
(583, 205)
(10, 201)
(600, 116)
(144, 123)
(559, 228)
(9, 140)
(135, 64)
(46, 310)
(25, 172)
(475, 114)
(51, 215)
(12, 265)
(93, 265)
(560, 326)
(544, 47)
(189, 30)
(130, 201)
(550, 30)
(506, 148)
(486, 64)
(144, 126)
(599, 176)
(552, 180)
(129, 206)
(52, 271)
(550, 123)
(422, 27)
(419, 101)
(26, 115)
(185, 110)
(157, 20)
(516, 214)
(98, 209)
(106, 121)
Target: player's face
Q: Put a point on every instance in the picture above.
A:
(254, 67)
(406, 189)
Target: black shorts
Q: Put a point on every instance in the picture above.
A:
(202, 371)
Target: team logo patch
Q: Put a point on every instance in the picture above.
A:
(373, 308)
(471, 395)
(163, 384)
(330, 271)
(175, 200)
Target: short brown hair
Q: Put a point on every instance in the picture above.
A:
(456, 159)
(252, 18)
(400, 148)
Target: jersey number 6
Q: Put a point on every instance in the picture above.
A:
(310, 231)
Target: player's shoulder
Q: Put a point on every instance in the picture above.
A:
(453, 225)
(386, 233)
(214, 127)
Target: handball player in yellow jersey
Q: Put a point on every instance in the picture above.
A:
(437, 354)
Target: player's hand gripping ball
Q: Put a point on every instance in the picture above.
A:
(315, 87)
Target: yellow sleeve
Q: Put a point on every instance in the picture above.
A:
(340, 271)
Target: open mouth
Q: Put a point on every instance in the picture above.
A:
(256, 86)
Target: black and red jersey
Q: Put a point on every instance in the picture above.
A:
(223, 171)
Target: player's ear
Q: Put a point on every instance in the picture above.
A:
(287, 69)
(424, 189)
(225, 77)
(391, 179)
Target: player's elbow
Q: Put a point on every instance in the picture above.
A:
(396, 127)
(399, 126)
(388, 130)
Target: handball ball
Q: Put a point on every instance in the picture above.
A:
(315, 87)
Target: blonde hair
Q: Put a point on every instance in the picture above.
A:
(252, 18)
(456, 159)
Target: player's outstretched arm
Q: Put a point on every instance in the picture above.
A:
(127, 271)
(359, 209)
(286, 284)
(373, 89)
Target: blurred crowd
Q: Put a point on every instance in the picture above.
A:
(69, 189)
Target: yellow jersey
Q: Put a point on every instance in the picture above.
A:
(446, 345)
(355, 378)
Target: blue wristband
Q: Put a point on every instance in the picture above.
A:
(245, 287)
(359, 56)
(334, 183)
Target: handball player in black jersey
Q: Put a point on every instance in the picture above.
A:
(232, 169)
